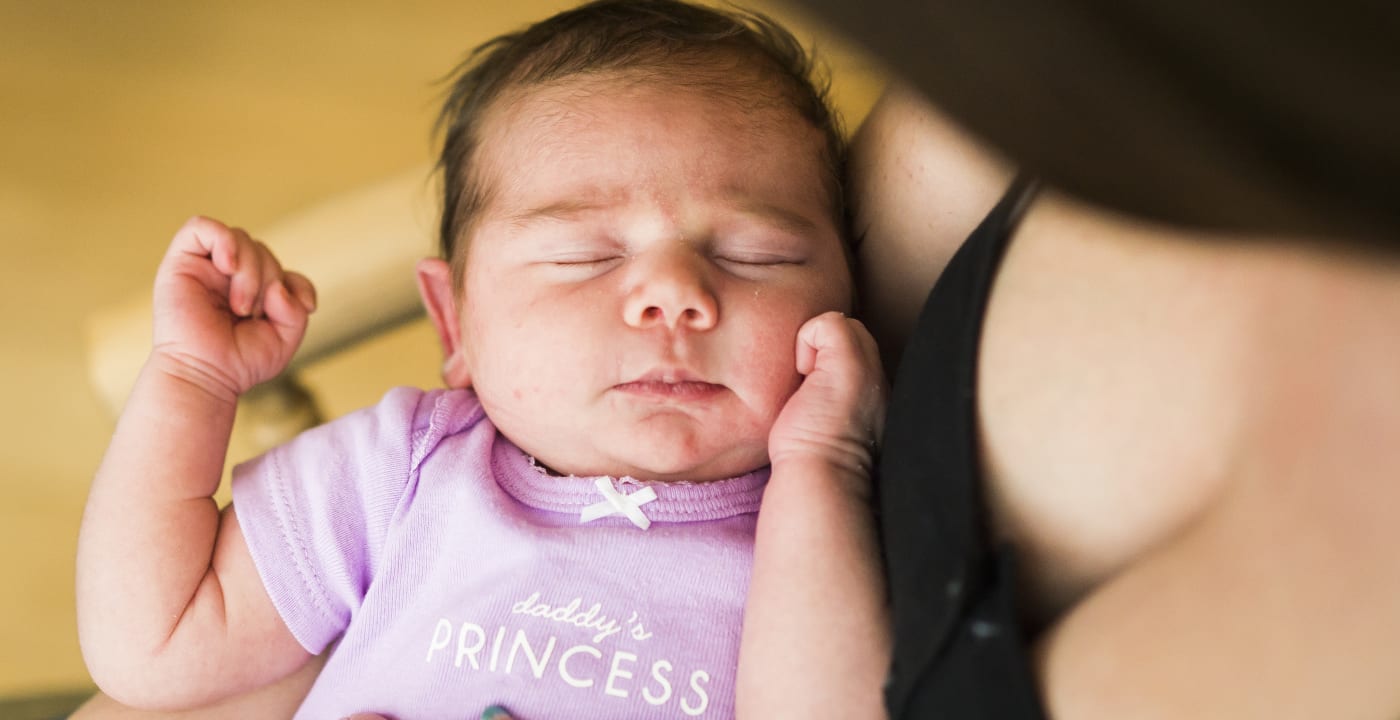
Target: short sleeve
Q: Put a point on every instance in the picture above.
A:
(316, 511)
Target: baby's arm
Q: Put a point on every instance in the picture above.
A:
(816, 630)
(171, 611)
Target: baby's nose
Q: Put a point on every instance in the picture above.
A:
(673, 290)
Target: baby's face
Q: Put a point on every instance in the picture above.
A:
(634, 284)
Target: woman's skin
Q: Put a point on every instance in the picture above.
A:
(1189, 437)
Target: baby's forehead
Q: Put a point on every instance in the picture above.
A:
(559, 132)
(589, 112)
(747, 95)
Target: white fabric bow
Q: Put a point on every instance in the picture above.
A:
(615, 503)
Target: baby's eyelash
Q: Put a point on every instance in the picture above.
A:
(760, 260)
(590, 259)
(582, 267)
(586, 261)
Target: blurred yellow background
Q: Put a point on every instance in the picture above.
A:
(118, 120)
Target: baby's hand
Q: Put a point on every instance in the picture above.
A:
(227, 317)
(837, 416)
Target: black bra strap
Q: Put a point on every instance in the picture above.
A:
(938, 552)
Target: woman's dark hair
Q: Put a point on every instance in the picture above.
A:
(737, 54)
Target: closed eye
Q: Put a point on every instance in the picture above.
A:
(758, 259)
(581, 265)
(589, 260)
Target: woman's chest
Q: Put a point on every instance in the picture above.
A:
(1110, 395)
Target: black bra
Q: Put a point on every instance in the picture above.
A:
(958, 650)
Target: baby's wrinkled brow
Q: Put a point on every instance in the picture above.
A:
(562, 210)
(783, 218)
(573, 209)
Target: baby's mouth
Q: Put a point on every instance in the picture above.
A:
(671, 383)
(680, 390)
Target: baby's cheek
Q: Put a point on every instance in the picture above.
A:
(511, 377)
(772, 366)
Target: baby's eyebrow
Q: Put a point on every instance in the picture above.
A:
(561, 210)
(776, 215)
(783, 218)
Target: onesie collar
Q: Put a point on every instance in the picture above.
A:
(676, 502)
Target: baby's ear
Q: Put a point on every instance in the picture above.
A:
(440, 298)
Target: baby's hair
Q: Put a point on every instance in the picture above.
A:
(735, 54)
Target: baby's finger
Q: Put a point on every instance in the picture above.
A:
(209, 239)
(203, 244)
(867, 347)
(232, 255)
(286, 315)
(253, 274)
(825, 333)
(301, 288)
(269, 276)
(807, 339)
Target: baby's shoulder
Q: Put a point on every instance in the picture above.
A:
(405, 415)
(426, 417)
(402, 429)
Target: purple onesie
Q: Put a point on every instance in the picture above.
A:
(457, 574)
